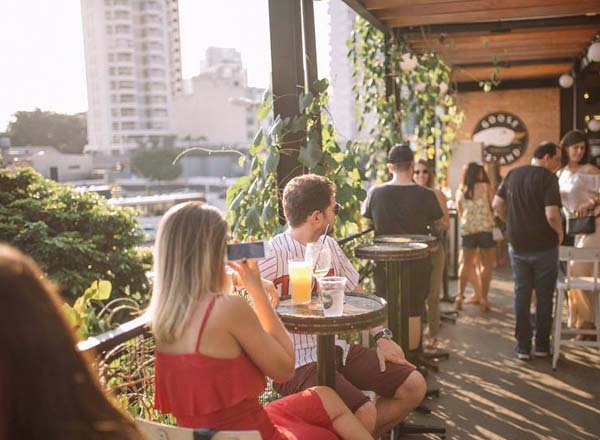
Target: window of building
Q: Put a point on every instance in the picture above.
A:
(124, 56)
(107, 15)
(112, 71)
(128, 125)
(127, 98)
(123, 15)
(125, 71)
(111, 57)
(115, 126)
(122, 29)
(127, 112)
(74, 167)
(125, 85)
(109, 29)
(114, 112)
(121, 2)
(116, 139)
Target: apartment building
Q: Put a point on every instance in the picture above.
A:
(133, 69)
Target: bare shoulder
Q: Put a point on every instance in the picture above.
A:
(588, 168)
(232, 307)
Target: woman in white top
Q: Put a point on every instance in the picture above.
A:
(579, 183)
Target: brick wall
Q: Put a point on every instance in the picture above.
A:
(539, 109)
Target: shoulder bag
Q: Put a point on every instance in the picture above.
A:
(581, 225)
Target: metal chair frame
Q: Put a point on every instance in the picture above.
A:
(570, 254)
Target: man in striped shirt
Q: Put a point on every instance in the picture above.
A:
(310, 209)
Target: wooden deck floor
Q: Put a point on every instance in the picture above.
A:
(486, 393)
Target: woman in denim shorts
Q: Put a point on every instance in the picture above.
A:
(474, 199)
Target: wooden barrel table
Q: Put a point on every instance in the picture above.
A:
(361, 312)
(395, 258)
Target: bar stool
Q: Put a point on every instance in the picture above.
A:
(570, 255)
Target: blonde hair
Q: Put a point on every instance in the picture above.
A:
(189, 255)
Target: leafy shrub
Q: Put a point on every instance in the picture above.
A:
(156, 164)
(76, 238)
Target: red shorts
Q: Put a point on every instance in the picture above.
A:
(361, 372)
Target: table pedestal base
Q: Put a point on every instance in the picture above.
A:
(325, 359)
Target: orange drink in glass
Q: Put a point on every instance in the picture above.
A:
(300, 273)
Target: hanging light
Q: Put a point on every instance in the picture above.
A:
(593, 52)
(565, 81)
(594, 124)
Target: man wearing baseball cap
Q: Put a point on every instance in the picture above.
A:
(400, 206)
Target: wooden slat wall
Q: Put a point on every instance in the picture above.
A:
(469, 74)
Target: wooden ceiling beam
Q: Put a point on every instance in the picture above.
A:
(492, 8)
(519, 72)
(360, 9)
(498, 26)
(590, 6)
(482, 57)
(510, 64)
(529, 83)
(576, 46)
(374, 5)
(578, 35)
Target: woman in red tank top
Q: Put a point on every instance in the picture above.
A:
(214, 350)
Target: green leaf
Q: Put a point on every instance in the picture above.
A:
(270, 165)
(257, 138)
(103, 291)
(311, 154)
(263, 110)
(253, 219)
(275, 129)
(321, 85)
(304, 101)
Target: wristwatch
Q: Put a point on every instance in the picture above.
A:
(384, 333)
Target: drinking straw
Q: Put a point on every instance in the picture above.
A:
(321, 247)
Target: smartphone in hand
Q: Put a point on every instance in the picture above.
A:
(257, 250)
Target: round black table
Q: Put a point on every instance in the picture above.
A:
(394, 257)
(361, 312)
(430, 240)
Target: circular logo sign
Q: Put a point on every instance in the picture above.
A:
(503, 135)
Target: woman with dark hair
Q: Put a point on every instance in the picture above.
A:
(579, 183)
(473, 199)
(47, 390)
(423, 176)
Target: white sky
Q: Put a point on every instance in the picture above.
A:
(41, 45)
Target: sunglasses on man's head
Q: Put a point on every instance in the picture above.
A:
(421, 172)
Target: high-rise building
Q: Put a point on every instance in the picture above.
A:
(133, 67)
(342, 103)
(218, 106)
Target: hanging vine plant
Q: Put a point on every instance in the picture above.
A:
(421, 81)
(253, 200)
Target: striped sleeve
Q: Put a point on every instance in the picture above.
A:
(268, 266)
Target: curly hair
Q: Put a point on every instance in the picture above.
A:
(304, 195)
